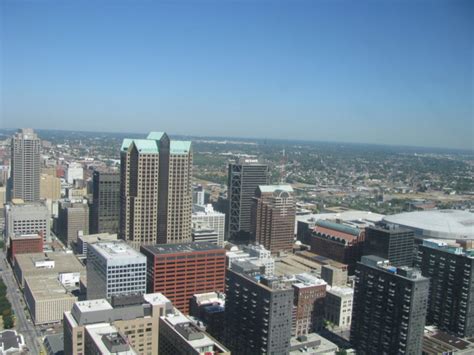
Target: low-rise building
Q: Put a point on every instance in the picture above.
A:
(338, 309)
(334, 276)
(24, 244)
(11, 342)
(105, 339)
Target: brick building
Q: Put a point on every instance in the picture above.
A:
(179, 271)
(23, 244)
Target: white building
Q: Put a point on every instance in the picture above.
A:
(213, 219)
(27, 218)
(202, 233)
(74, 172)
(255, 254)
(338, 308)
(114, 268)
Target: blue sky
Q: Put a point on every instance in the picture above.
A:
(381, 71)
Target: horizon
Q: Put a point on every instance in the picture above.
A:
(368, 72)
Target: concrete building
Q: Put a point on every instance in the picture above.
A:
(50, 187)
(393, 243)
(105, 207)
(333, 275)
(312, 344)
(198, 266)
(25, 165)
(84, 240)
(253, 254)
(308, 299)
(74, 171)
(54, 344)
(114, 268)
(450, 268)
(203, 233)
(258, 312)
(198, 195)
(44, 264)
(105, 339)
(338, 241)
(156, 195)
(273, 217)
(209, 309)
(213, 219)
(243, 179)
(47, 298)
(389, 309)
(27, 218)
(72, 218)
(24, 244)
(179, 335)
(338, 307)
(134, 316)
(11, 342)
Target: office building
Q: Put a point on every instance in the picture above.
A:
(72, 218)
(50, 187)
(24, 244)
(181, 270)
(334, 276)
(273, 217)
(450, 268)
(74, 171)
(84, 240)
(156, 195)
(258, 312)
(209, 309)
(134, 316)
(25, 165)
(203, 233)
(58, 264)
(393, 243)
(114, 268)
(338, 241)
(338, 307)
(179, 335)
(105, 207)
(253, 254)
(105, 339)
(198, 195)
(47, 298)
(243, 179)
(389, 308)
(308, 299)
(213, 219)
(23, 218)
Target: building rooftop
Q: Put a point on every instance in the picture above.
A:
(55, 343)
(100, 237)
(341, 291)
(93, 305)
(307, 280)
(150, 145)
(118, 250)
(440, 224)
(273, 188)
(383, 264)
(108, 340)
(47, 288)
(311, 343)
(10, 340)
(25, 236)
(180, 248)
(156, 299)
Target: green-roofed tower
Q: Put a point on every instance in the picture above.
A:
(156, 195)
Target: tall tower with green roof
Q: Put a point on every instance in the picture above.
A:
(156, 190)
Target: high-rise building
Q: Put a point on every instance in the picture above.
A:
(114, 268)
(389, 309)
(198, 195)
(136, 317)
(451, 272)
(273, 217)
(72, 218)
(156, 195)
(179, 335)
(213, 219)
(74, 171)
(393, 243)
(105, 207)
(258, 314)
(50, 187)
(243, 179)
(309, 299)
(27, 218)
(181, 270)
(25, 165)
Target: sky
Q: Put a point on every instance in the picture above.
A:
(368, 71)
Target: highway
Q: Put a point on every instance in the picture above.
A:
(22, 325)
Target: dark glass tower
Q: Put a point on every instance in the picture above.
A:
(105, 208)
(389, 309)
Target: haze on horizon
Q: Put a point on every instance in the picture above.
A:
(384, 72)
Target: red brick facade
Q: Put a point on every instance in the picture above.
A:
(23, 245)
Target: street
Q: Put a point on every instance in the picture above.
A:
(22, 325)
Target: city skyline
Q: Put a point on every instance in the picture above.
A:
(388, 76)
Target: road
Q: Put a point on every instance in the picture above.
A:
(23, 326)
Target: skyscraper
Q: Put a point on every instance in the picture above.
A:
(72, 218)
(273, 217)
(156, 194)
(451, 272)
(105, 208)
(26, 165)
(393, 243)
(243, 179)
(389, 308)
